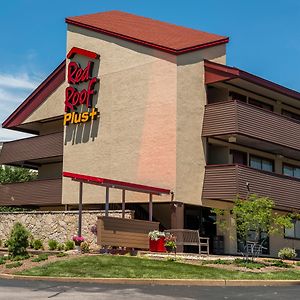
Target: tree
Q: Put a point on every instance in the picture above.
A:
(256, 215)
(18, 240)
(15, 174)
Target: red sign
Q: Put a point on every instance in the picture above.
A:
(76, 76)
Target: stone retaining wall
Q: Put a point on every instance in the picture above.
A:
(57, 225)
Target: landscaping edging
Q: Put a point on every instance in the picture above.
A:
(172, 282)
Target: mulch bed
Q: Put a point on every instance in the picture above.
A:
(28, 264)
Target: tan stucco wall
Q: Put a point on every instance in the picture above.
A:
(151, 108)
(278, 242)
(135, 139)
(53, 106)
(191, 100)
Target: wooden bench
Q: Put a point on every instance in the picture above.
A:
(129, 233)
(187, 237)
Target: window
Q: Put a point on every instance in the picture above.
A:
(237, 96)
(291, 114)
(239, 157)
(260, 104)
(260, 163)
(290, 170)
(294, 231)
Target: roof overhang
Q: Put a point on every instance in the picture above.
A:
(218, 73)
(35, 99)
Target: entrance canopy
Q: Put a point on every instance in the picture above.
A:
(114, 184)
(122, 185)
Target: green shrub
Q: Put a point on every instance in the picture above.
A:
(52, 244)
(221, 262)
(0, 243)
(70, 245)
(5, 244)
(62, 254)
(61, 247)
(40, 257)
(20, 257)
(287, 253)
(37, 245)
(280, 264)
(249, 264)
(14, 265)
(18, 240)
(2, 260)
(85, 247)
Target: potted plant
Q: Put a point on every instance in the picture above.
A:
(156, 241)
(170, 242)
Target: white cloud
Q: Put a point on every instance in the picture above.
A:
(19, 81)
(9, 135)
(14, 89)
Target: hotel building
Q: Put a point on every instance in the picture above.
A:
(150, 103)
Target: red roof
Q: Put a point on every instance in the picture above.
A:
(148, 32)
(37, 97)
(117, 184)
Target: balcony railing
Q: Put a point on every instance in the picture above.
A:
(38, 192)
(238, 118)
(33, 148)
(225, 182)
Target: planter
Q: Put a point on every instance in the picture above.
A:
(170, 249)
(157, 246)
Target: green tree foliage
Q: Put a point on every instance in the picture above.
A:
(255, 214)
(18, 240)
(15, 174)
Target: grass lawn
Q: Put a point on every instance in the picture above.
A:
(134, 267)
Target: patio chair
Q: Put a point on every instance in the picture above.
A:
(253, 249)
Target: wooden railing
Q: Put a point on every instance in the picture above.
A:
(238, 118)
(32, 148)
(38, 192)
(225, 182)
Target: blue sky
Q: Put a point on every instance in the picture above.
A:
(264, 37)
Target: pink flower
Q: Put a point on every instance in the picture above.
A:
(78, 239)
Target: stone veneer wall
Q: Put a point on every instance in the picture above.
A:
(57, 225)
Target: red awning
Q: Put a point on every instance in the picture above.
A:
(116, 184)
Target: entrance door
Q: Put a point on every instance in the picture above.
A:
(202, 219)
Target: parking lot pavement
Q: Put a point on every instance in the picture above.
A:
(22, 289)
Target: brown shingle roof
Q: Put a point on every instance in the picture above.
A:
(156, 34)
